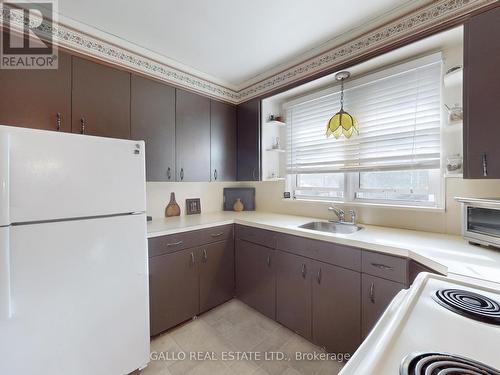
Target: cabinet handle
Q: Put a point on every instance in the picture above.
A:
(175, 243)
(205, 256)
(382, 266)
(303, 270)
(192, 258)
(217, 234)
(182, 174)
(83, 124)
(485, 164)
(372, 292)
(58, 121)
(169, 174)
(269, 260)
(215, 174)
(319, 276)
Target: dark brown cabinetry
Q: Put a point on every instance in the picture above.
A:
(153, 120)
(249, 141)
(173, 289)
(481, 95)
(190, 273)
(376, 295)
(255, 276)
(192, 130)
(216, 274)
(222, 141)
(39, 99)
(336, 308)
(293, 292)
(100, 100)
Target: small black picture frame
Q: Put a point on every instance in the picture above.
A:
(193, 206)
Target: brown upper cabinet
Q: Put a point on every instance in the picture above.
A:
(482, 95)
(192, 129)
(249, 141)
(222, 141)
(153, 120)
(100, 100)
(39, 99)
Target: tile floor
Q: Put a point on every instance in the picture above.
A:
(233, 327)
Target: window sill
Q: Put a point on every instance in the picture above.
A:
(367, 204)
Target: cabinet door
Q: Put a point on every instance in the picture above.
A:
(34, 98)
(293, 293)
(249, 141)
(173, 289)
(481, 96)
(216, 274)
(153, 120)
(336, 309)
(192, 137)
(222, 141)
(101, 100)
(376, 295)
(255, 277)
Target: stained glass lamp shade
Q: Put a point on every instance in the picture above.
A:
(342, 123)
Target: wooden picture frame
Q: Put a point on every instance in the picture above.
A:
(193, 206)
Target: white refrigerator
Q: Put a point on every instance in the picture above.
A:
(73, 254)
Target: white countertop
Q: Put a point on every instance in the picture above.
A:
(441, 252)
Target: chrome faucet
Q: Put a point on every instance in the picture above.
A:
(337, 211)
(353, 215)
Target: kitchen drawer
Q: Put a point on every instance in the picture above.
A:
(172, 243)
(338, 255)
(385, 266)
(256, 235)
(215, 234)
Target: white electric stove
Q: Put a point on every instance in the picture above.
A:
(438, 326)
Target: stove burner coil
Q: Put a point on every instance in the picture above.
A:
(469, 304)
(443, 364)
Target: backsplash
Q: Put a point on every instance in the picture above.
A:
(269, 198)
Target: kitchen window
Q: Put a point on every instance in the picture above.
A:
(395, 159)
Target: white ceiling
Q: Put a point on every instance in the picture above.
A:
(232, 42)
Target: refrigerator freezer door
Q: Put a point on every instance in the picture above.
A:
(60, 176)
(4, 178)
(79, 292)
(4, 274)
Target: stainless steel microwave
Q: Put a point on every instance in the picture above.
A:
(481, 220)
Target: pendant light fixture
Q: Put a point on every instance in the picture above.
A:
(342, 123)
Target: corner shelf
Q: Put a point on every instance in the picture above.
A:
(276, 123)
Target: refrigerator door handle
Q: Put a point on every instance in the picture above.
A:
(4, 179)
(5, 290)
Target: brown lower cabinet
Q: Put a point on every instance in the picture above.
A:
(173, 289)
(293, 292)
(336, 308)
(376, 295)
(255, 276)
(216, 274)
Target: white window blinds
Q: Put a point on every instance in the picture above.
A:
(399, 115)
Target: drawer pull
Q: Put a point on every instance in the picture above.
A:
(319, 276)
(303, 270)
(217, 234)
(192, 258)
(372, 292)
(382, 266)
(205, 256)
(175, 243)
(269, 260)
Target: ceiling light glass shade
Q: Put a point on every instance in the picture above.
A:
(342, 123)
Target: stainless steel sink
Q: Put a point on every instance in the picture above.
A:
(331, 227)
